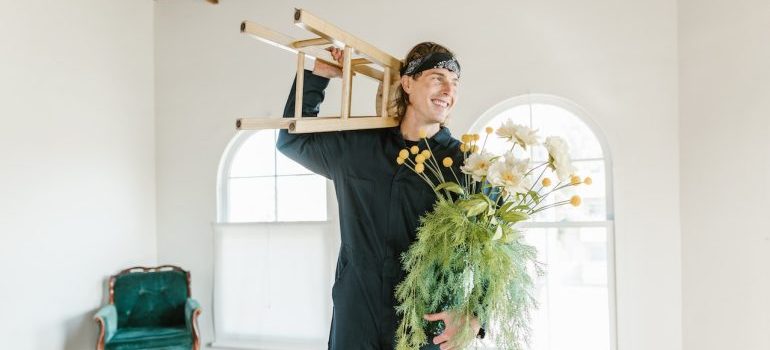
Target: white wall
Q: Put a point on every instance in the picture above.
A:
(725, 164)
(616, 59)
(77, 172)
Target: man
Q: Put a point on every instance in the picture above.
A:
(380, 202)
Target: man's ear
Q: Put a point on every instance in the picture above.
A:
(406, 83)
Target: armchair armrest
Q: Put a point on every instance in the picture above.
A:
(107, 319)
(191, 312)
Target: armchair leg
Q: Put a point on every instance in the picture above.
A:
(195, 330)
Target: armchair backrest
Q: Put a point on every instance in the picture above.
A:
(150, 297)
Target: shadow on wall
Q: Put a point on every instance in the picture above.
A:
(81, 332)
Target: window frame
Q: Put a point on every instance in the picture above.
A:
(482, 122)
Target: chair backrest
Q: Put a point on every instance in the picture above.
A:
(150, 297)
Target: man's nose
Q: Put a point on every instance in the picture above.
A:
(448, 89)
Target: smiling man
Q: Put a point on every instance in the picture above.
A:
(380, 203)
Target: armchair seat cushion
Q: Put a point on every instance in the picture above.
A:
(160, 338)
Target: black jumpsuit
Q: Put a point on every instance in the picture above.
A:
(380, 204)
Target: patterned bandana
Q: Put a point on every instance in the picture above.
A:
(432, 60)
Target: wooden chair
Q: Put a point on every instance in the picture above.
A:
(360, 58)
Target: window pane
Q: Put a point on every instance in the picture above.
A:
(286, 166)
(251, 199)
(594, 203)
(243, 261)
(556, 121)
(255, 156)
(573, 295)
(301, 198)
(263, 292)
(519, 115)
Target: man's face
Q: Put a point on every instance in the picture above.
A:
(432, 95)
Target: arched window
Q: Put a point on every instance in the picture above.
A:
(273, 248)
(576, 296)
(259, 184)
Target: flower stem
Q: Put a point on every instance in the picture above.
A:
(533, 169)
(533, 186)
(456, 179)
(439, 176)
(553, 205)
(421, 175)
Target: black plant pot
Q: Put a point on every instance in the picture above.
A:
(435, 328)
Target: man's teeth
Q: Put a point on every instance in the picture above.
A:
(441, 103)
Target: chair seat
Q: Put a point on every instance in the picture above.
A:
(134, 338)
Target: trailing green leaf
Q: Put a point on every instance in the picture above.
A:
(505, 206)
(535, 196)
(513, 216)
(451, 187)
(474, 206)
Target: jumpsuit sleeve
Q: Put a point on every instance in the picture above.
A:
(318, 152)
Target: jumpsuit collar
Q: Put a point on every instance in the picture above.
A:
(443, 137)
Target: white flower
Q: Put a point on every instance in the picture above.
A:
(558, 157)
(510, 174)
(477, 165)
(516, 133)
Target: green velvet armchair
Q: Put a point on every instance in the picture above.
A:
(150, 308)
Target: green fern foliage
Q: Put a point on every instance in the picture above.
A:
(456, 264)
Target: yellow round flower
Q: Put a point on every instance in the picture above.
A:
(588, 180)
(489, 130)
(419, 168)
(400, 160)
(466, 138)
(463, 147)
(414, 149)
(546, 182)
(419, 159)
(575, 180)
(422, 133)
(575, 200)
(447, 162)
(425, 153)
(476, 137)
(404, 153)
